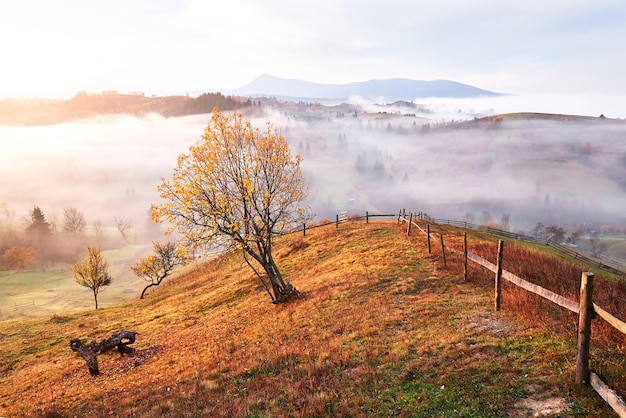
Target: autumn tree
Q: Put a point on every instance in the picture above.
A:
(156, 267)
(19, 257)
(237, 187)
(92, 272)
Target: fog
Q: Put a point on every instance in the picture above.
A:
(565, 173)
(357, 157)
(105, 167)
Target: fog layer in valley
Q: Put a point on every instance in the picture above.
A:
(554, 172)
(514, 172)
(107, 167)
(565, 172)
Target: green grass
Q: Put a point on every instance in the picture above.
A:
(53, 290)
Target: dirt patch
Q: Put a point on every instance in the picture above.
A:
(493, 323)
(529, 407)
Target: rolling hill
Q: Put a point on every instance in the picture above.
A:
(383, 330)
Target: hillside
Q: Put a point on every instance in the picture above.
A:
(35, 112)
(383, 330)
(389, 90)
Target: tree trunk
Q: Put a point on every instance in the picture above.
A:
(283, 291)
(121, 340)
(146, 288)
(95, 297)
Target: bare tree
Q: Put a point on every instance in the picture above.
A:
(124, 226)
(73, 223)
(92, 272)
(468, 217)
(486, 218)
(98, 231)
(505, 221)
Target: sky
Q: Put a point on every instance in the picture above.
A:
(572, 49)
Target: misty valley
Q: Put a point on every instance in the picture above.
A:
(525, 173)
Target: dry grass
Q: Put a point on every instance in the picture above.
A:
(560, 274)
(383, 330)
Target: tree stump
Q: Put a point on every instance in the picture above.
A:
(90, 351)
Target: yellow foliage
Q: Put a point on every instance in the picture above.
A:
(235, 180)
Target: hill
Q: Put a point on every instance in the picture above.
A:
(383, 330)
(389, 90)
(34, 112)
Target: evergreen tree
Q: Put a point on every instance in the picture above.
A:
(39, 230)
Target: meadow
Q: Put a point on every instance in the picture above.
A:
(383, 329)
(52, 290)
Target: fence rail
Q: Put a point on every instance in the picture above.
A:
(577, 255)
(585, 308)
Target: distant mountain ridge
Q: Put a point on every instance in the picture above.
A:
(388, 90)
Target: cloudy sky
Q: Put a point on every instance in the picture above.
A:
(56, 48)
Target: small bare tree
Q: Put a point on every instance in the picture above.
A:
(124, 226)
(92, 272)
(73, 223)
(156, 267)
(98, 231)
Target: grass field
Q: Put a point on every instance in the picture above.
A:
(53, 290)
(383, 329)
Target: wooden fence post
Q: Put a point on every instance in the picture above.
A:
(304, 229)
(428, 237)
(443, 249)
(465, 272)
(337, 222)
(399, 214)
(498, 286)
(408, 228)
(367, 217)
(585, 316)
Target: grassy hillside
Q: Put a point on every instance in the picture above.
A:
(383, 330)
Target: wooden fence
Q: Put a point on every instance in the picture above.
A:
(616, 267)
(585, 308)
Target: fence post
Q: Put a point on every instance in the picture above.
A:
(443, 249)
(304, 229)
(465, 273)
(337, 221)
(367, 217)
(498, 286)
(399, 214)
(428, 237)
(408, 228)
(584, 327)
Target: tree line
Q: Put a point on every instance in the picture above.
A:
(34, 112)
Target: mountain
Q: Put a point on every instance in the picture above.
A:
(389, 90)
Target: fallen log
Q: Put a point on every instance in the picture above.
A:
(90, 351)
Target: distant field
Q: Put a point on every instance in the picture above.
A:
(54, 291)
